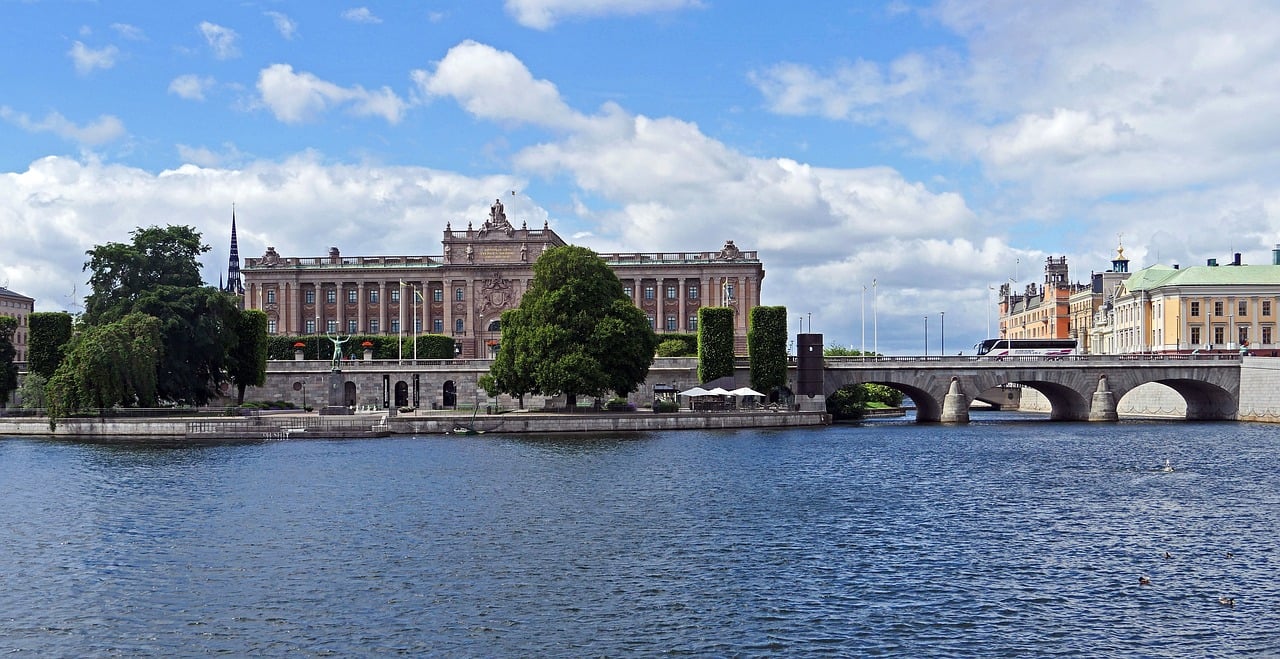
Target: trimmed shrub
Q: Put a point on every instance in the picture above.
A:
(767, 345)
(715, 343)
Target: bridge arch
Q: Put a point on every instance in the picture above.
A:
(1080, 389)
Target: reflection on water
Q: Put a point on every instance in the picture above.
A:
(995, 538)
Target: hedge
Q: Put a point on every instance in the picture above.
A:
(715, 343)
(767, 345)
(318, 346)
(49, 333)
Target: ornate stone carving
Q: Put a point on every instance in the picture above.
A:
(271, 258)
(729, 252)
(496, 293)
(497, 220)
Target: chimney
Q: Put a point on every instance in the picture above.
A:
(1275, 255)
(1212, 263)
(1236, 260)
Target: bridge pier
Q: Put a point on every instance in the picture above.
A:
(1103, 406)
(955, 406)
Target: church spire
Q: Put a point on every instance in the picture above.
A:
(234, 285)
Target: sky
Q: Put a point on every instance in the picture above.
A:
(892, 162)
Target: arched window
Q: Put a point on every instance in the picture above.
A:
(458, 326)
(495, 325)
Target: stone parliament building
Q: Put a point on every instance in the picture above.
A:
(481, 273)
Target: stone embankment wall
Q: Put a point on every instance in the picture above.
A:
(1260, 389)
(430, 424)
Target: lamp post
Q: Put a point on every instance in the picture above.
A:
(926, 336)
(862, 320)
(875, 332)
(811, 322)
(942, 341)
(987, 304)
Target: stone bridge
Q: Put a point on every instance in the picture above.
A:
(1079, 388)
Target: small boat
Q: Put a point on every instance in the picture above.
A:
(1168, 466)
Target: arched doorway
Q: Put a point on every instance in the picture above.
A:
(402, 394)
(450, 394)
(349, 394)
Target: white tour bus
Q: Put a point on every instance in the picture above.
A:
(1052, 348)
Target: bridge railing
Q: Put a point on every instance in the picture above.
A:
(1038, 359)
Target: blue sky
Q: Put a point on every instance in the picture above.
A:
(936, 148)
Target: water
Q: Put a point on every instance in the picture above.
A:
(890, 539)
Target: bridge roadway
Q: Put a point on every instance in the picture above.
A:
(1078, 388)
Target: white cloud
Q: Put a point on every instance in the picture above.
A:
(1063, 135)
(544, 14)
(494, 84)
(130, 32)
(87, 59)
(206, 157)
(284, 25)
(361, 15)
(221, 40)
(661, 184)
(191, 86)
(58, 208)
(302, 97)
(105, 128)
(1080, 100)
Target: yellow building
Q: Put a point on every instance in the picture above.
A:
(1211, 307)
(481, 273)
(18, 307)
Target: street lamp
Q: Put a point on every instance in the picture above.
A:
(942, 341)
(811, 322)
(875, 332)
(862, 320)
(926, 336)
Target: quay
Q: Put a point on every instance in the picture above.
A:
(380, 424)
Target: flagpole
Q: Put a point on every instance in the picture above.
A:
(400, 325)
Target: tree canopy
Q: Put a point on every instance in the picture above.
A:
(123, 272)
(205, 343)
(50, 332)
(574, 333)
(107, 365)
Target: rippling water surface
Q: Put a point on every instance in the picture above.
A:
(996, 538)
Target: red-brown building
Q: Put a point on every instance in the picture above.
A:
(481, 273)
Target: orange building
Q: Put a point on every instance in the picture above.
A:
(1040, 311)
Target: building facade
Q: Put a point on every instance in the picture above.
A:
(1040, 311)
(1168, 309)
(19, 307)
(480, 273)
(1059, 309)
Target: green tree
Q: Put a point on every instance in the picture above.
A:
(247, 363)
(198, 325)
(107, 365)
(504, 375)
(8, 353)
(50, 332)
(715, 343)
(576, 332)
(767, 345)
(121, 273)
(32, 391)
(848, 402)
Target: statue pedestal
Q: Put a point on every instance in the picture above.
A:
(334, 405)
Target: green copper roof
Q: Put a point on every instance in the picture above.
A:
(1158, 276)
